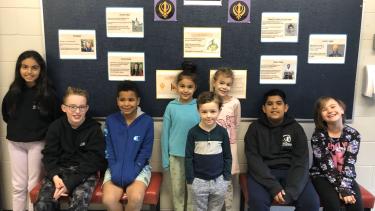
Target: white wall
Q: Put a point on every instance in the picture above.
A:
(364, 108)
(21, 29)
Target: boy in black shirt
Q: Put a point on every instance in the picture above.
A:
(278, 159)
(74, 152)
(208, 159)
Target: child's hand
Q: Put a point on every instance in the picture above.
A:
(348, 199)
(60, 189)
(279, 198)
(58, 182)
(60, 192)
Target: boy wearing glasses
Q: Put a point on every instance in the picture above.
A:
(73, 153)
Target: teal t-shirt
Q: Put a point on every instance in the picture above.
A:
(177, 120)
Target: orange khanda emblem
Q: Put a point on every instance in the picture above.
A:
(239, 11)
(165, 9)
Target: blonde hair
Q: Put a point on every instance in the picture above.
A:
(226, 71)
(75, 91)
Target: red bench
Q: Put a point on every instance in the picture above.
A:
(152, 196)
(367, 198)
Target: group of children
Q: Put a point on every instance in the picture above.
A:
(198, 141)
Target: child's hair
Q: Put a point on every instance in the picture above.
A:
(319, 105)
(189, 70)
(207, 97)
(226, 71)
(75, 91)
(43, 96)
(274, 92)
(128, 86)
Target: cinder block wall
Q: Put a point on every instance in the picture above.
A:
(21, 29)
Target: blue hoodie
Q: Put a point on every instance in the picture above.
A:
(128, 147)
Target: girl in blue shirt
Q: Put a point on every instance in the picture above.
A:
(180, 115)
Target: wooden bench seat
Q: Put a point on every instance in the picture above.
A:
(152, 195)
(367, 198)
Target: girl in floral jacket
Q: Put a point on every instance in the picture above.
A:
(335, 147)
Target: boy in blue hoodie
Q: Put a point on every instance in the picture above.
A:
(278, 159)
(129, 137)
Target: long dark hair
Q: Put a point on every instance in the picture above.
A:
(44, 98)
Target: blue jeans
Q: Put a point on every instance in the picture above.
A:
(261, 200)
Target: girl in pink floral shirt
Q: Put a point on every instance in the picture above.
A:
(229, 118)
(335, 147)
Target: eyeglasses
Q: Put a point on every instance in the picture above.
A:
(74, 108)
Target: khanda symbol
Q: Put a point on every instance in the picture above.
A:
(239, 11)
(164, 9)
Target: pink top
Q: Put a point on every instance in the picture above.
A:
(230, 117)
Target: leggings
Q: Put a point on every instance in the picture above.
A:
(330, 198)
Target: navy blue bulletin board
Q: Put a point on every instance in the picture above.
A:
(241, 49)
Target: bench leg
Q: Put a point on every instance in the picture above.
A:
(155, 207)
(158, 206)
(242, 202)
(152, 207)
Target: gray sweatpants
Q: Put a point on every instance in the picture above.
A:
(209, 194)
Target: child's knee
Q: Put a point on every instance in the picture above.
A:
(135, 197)
(109, 199)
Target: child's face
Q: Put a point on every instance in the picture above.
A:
(275, 109)
(222, 85)
(208, 113)
(128, 102)
(30, 71)
(75, 107)
(185, 89)
(332, 112)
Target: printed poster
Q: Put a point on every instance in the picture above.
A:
(278, 69)
(327, 48)
(166, 87)
(124, 22)
(279, 27)
(202, 42)
(126, 66)
(203, 2)
(77, 44)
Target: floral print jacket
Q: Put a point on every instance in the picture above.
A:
(334, 158)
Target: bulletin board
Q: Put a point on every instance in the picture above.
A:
(241, 49)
